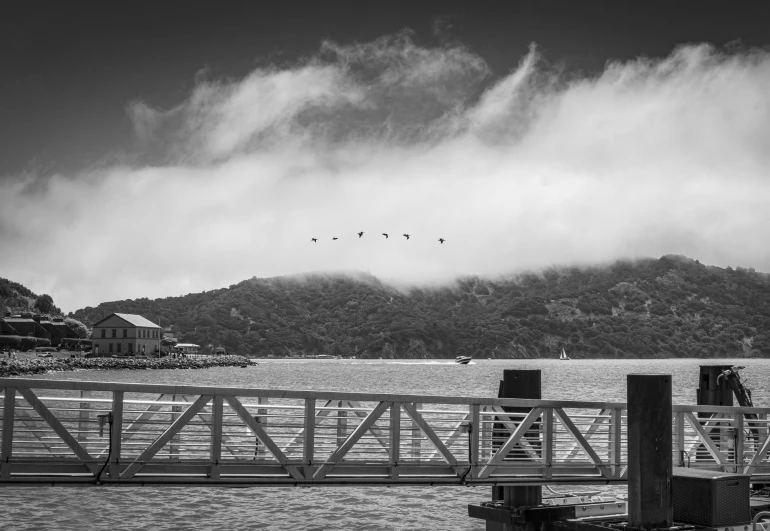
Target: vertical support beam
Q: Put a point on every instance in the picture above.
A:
(9, 407)
(416, 435)
(342, 422)
(262, 452)
(395, 438)
(474, 457)
(740, 442)
(649, 451)
(547, 442)
(116, 433)
(517, 383)
(174, 444)
(485, 451)
(309, 443)
(616, 438)
(679, 438)
(84, 417)
(216, 436)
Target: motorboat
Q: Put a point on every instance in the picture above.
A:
(463, 360)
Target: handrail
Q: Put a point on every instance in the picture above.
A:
(75, 385)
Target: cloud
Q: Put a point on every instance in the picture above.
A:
(521, 171)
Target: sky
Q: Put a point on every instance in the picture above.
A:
(158, 149)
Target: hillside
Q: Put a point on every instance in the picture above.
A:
(669, 307)
(16, 298)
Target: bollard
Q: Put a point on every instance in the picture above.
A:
(649, 451)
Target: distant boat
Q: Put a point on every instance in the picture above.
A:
(463, 360)
(563, 356)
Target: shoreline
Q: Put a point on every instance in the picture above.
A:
(22, 367)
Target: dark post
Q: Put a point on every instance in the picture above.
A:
(517, 383)
(649, 451)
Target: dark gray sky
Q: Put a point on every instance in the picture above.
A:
(150, 149)
(70, 68)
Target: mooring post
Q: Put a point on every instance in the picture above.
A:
(649, 451)
(517, 383)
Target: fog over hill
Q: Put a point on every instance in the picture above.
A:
(647, 308)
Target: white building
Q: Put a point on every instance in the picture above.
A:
(125, 334)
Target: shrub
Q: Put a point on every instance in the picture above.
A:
(10, 342)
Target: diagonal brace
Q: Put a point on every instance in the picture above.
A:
(166, 436)
(57, 426)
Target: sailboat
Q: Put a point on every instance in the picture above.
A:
(563, 356)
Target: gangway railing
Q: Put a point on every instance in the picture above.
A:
(72, 432)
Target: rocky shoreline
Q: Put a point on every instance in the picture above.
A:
(22, 367)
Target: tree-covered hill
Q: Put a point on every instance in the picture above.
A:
(16, 298)
(670, 307)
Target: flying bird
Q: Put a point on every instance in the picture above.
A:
(386, 236)
(360, 234)
(442, 240)
(406, 236)
(315, 240)
(334, 238)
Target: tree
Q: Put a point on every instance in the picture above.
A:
(44, 304)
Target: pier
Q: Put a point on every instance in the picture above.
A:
(81, 433)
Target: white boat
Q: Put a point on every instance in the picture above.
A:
(463, 360)
(563, 356)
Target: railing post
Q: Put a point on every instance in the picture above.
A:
(262, 419)
(616, 440)
(395, 438)
(309, 443)
(485, 449)
(116, 434)
(342, 422)
(739, 442)
(679, 437)
(84, 416)
(9, 407)
(216, 436)
(547, 442)
(416, 435)
(174, 443)
(474, 457)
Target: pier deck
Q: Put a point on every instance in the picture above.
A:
(162, 434)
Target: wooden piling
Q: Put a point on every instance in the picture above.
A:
(517, 383)
(712, 390)
(649, 451)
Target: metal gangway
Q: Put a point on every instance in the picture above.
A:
(78, 433)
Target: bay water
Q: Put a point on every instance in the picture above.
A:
(337, 508)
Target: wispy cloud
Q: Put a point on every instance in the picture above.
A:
(520, 171)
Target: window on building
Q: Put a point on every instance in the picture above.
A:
(125, 333)
(104, 332)
(130, 348)
(114, 333)
(120, 345)
(110, 347)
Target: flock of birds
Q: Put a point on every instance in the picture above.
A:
(315, 240)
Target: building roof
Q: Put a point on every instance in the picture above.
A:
(135, 320)
(186, 345)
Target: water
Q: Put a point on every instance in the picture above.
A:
(322, 508)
